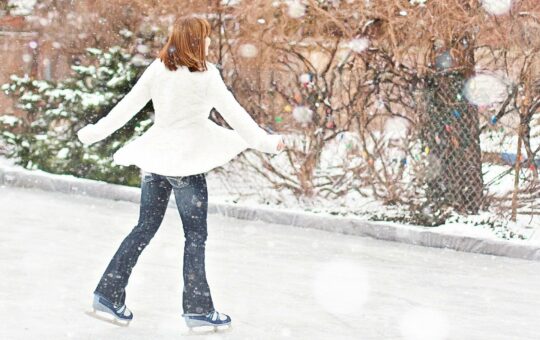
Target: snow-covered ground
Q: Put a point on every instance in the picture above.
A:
(276, 281)
(238, 188)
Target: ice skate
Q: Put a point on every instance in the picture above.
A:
(213, 319)
(105, 310)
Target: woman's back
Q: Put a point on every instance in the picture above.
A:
(179, 96)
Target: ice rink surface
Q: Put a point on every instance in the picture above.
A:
(275, 281)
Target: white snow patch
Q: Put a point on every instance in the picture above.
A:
(485, 89)
(22, 7)
(296, 9)
(497, 7)
(359, 45)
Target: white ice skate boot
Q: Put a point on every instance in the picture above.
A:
(213, 318)
(105, 310)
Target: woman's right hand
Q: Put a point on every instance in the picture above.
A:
(281, 145)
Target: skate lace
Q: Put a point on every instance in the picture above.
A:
(215, 315)
(124, 311)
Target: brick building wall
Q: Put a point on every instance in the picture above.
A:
(22, 51)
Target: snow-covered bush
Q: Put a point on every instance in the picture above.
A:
(47, 139)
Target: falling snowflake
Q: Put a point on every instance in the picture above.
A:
(296, 9)
(497, 7)
(248, 50)
(143, 49)
(302, 114)
(485, 89)
(304, 78)
(444, 61)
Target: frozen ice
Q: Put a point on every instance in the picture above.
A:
(423, 323)
(55, 247)
(285, 332)
(341, 287)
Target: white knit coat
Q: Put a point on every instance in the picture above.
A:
(182, 140)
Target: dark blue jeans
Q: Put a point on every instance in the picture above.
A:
(191, 197)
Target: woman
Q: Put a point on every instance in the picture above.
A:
(174, 154)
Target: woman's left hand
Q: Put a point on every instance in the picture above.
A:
(86, 135)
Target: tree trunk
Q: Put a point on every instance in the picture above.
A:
(451, 134)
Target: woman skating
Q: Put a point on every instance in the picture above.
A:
(174, 154)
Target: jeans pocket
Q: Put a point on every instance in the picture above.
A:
(147, 178)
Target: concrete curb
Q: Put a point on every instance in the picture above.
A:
(19, 177)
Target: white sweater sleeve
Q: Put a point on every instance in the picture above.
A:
(236, 116)
(124, 110)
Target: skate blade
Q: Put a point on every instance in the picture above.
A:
(207, 329)
(108, 318)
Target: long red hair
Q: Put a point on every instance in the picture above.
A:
(186, 44)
